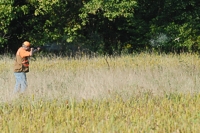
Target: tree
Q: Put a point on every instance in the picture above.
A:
(176, 19)
(6, 16)
(105, 19)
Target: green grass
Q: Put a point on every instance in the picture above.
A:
(141, 113)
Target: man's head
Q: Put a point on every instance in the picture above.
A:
(26, 45)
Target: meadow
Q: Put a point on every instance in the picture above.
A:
(139, 93)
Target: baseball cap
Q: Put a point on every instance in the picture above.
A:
(27, 44)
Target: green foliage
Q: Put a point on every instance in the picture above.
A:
(107, 19)
(111, 9)
(178, 21)
(6, 16)
(106, 26)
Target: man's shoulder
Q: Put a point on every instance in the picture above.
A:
(19, 49)
(22, 52)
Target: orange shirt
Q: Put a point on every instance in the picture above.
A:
(22, 52)
(21, 61)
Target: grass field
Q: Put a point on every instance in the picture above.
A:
(139, 93)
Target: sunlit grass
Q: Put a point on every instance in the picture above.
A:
(134, 93)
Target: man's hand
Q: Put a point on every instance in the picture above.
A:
(38, 48)
(31, 52)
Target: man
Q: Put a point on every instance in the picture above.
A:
(21, 66)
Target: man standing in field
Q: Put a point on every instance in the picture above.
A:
(21, 66)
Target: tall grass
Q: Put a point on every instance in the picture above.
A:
(134, 93)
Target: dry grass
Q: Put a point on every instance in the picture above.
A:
(142, 93)
(94, 78)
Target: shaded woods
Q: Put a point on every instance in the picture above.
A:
(104, 27)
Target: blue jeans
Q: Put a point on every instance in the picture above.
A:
(21, 82)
